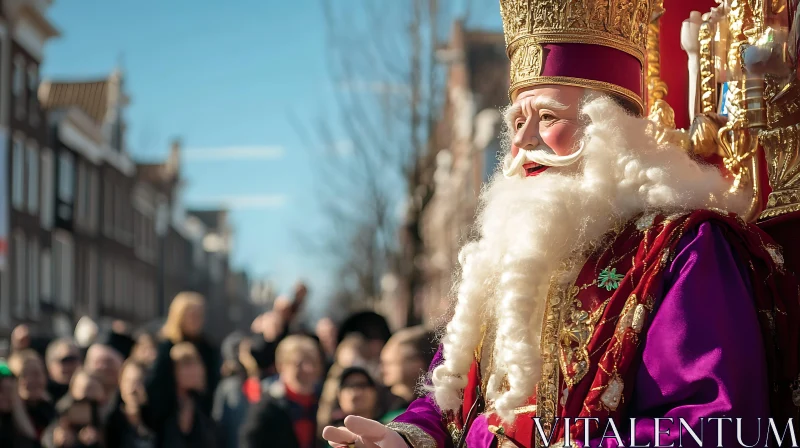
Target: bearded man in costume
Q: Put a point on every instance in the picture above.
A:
(612, 277)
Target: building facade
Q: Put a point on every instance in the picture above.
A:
(468, 142)
(28, 209)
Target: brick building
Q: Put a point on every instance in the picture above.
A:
(467, 138)
(105, 217)
(26, 280)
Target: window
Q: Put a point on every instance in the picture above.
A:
(18, 86)
(18, 174)
(20, 263)
(46, 276)
(119, 212)
(33, 88)
(108, 285)
(33, 177)
(33, 278)
(80, 197)
(91, 282)
(119, 287)
(108, 207)
(63, 261)
(92, 199)
(66, 186)
(66, 177)
(47, 205)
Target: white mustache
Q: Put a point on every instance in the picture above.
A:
(542, 155)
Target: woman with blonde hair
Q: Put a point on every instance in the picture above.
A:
(185, 320)
(27, 365)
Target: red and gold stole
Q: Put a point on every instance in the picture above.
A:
(593, 331)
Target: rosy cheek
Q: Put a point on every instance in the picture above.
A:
(561, 138)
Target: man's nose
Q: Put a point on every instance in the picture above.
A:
(526, 137)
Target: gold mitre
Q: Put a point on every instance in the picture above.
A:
(597, 44)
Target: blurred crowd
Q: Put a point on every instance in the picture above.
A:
(276, 386)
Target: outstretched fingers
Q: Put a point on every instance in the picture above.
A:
(343, 438)
(366, 428)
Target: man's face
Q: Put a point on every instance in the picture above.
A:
(66, 359)
(190, 374)
(400, 365)
(357, 396)
(32, 380)
(131, 385)
(302, 371)
(105, 363)
(545, 118)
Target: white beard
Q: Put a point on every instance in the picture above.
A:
(529, 226)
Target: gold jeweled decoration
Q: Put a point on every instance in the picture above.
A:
(527, 24)
(782, 149)
(708, 82)
(656, 87)
(781, 143)
(738, 141)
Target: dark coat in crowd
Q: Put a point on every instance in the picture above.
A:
(10, 436)
(161, 388)
(120, 433)
(230, 409)
(280, 416)
(268, 424)
(56, 390)
(41, 414)
(202, 435)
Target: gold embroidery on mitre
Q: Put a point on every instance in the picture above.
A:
(527, 24)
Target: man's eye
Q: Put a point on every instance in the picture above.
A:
(547, 117)
(520, 123)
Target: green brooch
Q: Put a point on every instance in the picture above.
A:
(609, 279)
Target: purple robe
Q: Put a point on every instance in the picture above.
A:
(703, 357)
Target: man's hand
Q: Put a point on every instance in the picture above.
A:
(363, 433)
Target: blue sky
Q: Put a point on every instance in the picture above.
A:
(225, 79)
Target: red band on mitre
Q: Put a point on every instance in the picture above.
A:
(592, 66)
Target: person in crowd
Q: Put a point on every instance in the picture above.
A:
(273, 326)
(189, 426)
(240, 388)
(20, 338)
(16, 429)
(75, 427)
(375, 330)
(357, 395)
(326, 332)
(78, 423)
(349, 353)
(29, 369)
(404, 360)
(184, 323)
(63, 358)
(85, 385)
(286, 414)
(144, 351)
(126, 428)
(104, 362)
